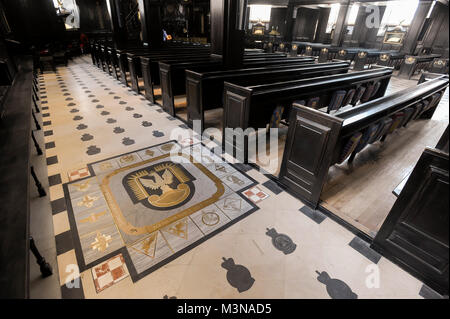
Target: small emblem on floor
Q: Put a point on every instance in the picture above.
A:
(281, 242)
(238, 276)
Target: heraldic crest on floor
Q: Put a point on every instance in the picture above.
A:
(153, 205)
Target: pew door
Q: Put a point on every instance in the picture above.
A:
(308, 153)
(416, 231)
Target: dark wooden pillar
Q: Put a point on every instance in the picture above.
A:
(227, 34)
(410, 42)
(341, 24)
(372, 33)
(151, 23)
(438, 17)
(289, 21)
(360, 28)
(118, 28)
(324, 14)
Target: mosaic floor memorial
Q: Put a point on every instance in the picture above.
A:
(154, 204)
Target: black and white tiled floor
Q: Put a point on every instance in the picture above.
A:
(287, 249)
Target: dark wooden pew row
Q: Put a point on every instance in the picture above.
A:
(394, 59)
(104, 54)
(150, 71)
(173, 76)
(253, 106)
(96, 48)
(204, 90)
(439, 66)
(146, 65)
(412, 64)
(360, 56)
(135, 62)
(317, 140)
(138, 61)
(16, 134)
(123, 58)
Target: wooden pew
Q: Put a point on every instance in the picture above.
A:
(16, 135)
(394, 59)
(149, 67)
(135, 65)
(146, 65)
(413, 64)
(173, 77)
(253, 106)
(317, 140)
(416, 231)
(204, 90)
(439, 66)
(123, 63)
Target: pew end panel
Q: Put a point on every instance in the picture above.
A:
(312, 138)
(236, 117)
(166, 88)
(194, 97)
(415, 234)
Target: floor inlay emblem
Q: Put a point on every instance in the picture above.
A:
(146, 124)
(78, 174)
(152, 205)
(238, 276)
(281, 241)
(118, 130)
(109, 273)
(86, 137)
(337, 289)
(127, 141)
(111, 121)
(158, 134)
(254, 194)
(92, 150)
(82, 127)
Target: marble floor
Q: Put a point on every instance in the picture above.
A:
(286, 249)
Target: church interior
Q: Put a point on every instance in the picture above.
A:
(317, 169)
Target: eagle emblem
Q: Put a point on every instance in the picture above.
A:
(162, 186)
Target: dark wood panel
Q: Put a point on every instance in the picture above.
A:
(15, 131)
(416, 231)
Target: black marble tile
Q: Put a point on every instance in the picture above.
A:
(46, 123)
(273, 187)
(64, 242)
(428, 293)
(54, 180)
(315, 215)
(242, 167)
(73, 293)
(49, 145)
(52, 160)
(58, 205)
(48, 133)
(364, 249)
(44, 108)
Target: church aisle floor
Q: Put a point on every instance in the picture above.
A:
(89, 117)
